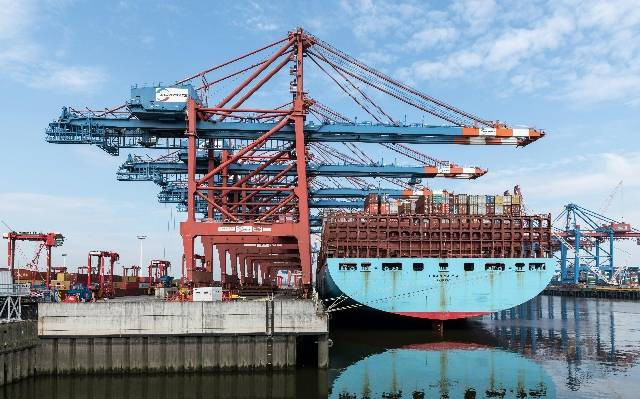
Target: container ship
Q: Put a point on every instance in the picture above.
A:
(439, 256)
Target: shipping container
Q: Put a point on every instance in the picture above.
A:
(207, 294)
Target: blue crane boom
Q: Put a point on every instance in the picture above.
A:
(149, 171)
(173, 192)
(136, 126)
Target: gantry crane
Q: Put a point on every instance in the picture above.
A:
(158, 273)
(586, 242)
(45, 240)
(104, 284)
(252, 168)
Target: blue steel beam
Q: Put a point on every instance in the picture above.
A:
(150, 171)
(113, 133)
(172, 193)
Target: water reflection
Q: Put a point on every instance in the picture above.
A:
(232, 385)
(589, 345)
(443, 370)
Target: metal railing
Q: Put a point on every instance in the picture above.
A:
(15, 289)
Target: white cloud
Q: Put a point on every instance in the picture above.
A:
(377, 57)
(431, 37)
(258, 17)
(586, 179)
(586, 52)
(371, 19)
(477, 13)
(22, 58)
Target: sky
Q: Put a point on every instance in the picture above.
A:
(570, 67)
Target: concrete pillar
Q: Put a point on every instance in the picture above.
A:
(210, 353)
(138, 354)
(260, 351)
(291, 351)
(101, 351)
(279, 359)
(156, 353)
(119, 354)
(3, 364)
(65, 356)
(83, 360)
(9, 363)
(192, 353)
(175, 354)
(323, 351)
(228, 352)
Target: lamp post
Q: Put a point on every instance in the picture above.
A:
(141, 238)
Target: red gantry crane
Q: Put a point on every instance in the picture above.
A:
(45, 240)
(104, 288)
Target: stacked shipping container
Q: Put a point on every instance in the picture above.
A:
(352, 235)
(445, 203)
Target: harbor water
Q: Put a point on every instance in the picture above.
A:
(549, 347)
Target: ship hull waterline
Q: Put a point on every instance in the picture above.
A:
(432, 288)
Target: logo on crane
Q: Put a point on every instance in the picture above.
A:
(171, 95)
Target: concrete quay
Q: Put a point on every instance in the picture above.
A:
(18, 352)
(632, 293)
(158, 336)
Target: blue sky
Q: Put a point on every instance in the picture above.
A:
(569, 67)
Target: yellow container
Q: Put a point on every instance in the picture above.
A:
(499, 199)
(516, 199)
(60, 285)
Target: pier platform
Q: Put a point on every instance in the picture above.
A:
(159, 336)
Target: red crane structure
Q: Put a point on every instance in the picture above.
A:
(105, 285)
(46, 240)
(255, 168)
(158, 268)
(131, 271)
(271, 211)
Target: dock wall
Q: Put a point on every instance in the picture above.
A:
(594, 292)
(157, 336)
(18, 352)
(145, 318)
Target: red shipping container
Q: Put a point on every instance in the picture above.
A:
(384, 209)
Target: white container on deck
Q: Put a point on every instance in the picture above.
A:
(207, 294)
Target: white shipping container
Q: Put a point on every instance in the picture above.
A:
(393, 207)
(207, 294)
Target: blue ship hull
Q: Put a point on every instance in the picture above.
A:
(439, 289)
